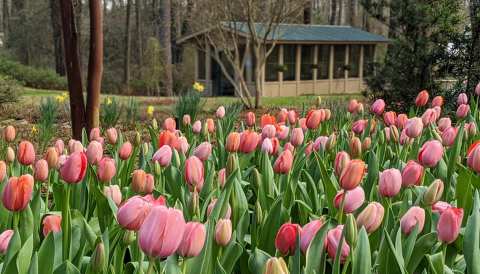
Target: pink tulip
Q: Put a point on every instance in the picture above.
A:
(439, 207)
(51, 223)
(159, 201)
(449, 135)
(415, 215)
(269, 131)
(211, 206)
(341, 160)
(222, 177)
(169, 124)
(462, 99)
(250, 119)
(59, 146)
(313, 119)
(389, 118)
(9, 134)
(193, 240)
(183, 145)
(282, 134)
(162, 232)
(332, 243)
(352, 174)
(289, 146)
(462, 111)
(449, 224)
(412, 174)
(106, 169)
(473, 156)
(414, 127)
(194, 173)
(223, 232)
(5, 240)
(286, 238)
(422, 98)
(390, 182)
(125, 151)
(444, 123)
(353, 200)
(74, 168)
(404, 139)
(26, 153)
(359, 126)
(3, 171)
(41, 170)
(113, 192)
(352, 106)
(248, 141)
(371, 217)
(282, 115)
(75, 146)
(94, 152)
(112, 135)
(429, 117)
(133, 212)
(430, 153)
(292, 117)
(401, 121)
(477, 89)
(378, 107)
(437, 101)
(163, 156)
(438, 112)
(267, 146)
(186, 119)
(203, 151)
(220, 112)
(95, 134)
(17, 192)
(470, 129)
(320, 143)
(197, 127)
(284, 162)
(308, 232)
(297, 137)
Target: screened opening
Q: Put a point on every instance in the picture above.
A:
(201, 64)
(368, 61)
(271, 67)
(306, 68)
(289, 61)
(354, 61)
(323, 62)
(339, 61)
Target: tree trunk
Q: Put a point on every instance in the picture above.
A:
(333, 12)
(77, 8)
(74, 75)
(95, 64)
(138, 33)
(474, 66)
(340, 13)
(165, 40)
(307, 13)
(57, 37)
(5, 19)
(126, 68)
(353, 13)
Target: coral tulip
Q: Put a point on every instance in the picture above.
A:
(437, 101)
(248, 141)
(17, 192)
(233, 142)
(422, 98)
(284, 162)
(9, 134)
(313, 119)
(26, 153)
(41, 170)
(51, 223)
(125, 151)
(352, 174)
(449, 224)
(106, 169)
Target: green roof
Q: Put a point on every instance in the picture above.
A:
(314, 33)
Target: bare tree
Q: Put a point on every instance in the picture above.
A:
(333, 12)
(138, 32)
(474, 64)
(57, 36)
(166, 42)
(5, 18)
(127, 47)
(244, 32)
(95, 64)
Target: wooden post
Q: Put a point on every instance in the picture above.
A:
(315, 70)
(298, 63)
(208, 72)
(280, 74)
(330, 68)
(347, 56)
(360, 68)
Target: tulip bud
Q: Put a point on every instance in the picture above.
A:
(433, 193)
(125, 151)
(232, 164)
(331, 142)
(211, 206)
(367, 142)
(258, 213)
(351, 231)
(145, 149)
(98, 260)
(10, 155)
(223, 232)
(129, 237)
(371, 217)
(9, 134)
(210, 125)
(5, 238)
(355, 147)
(187, 120)
(154, 124)
(275, 265)
(138, 138)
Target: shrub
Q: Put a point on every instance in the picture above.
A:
(190, 103)
(110, 111)
(9, 90)
(46, 123)
(32, 77)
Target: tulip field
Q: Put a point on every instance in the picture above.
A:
(359, 188)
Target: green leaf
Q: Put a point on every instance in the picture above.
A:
(373, 172)
(25, 255)
(33, 269)
(26, 225)
(315, 257)
(257, 261)
(362, 262)
(230, 256)
(46, 254)
(436, 263)
(471, 242)
(14, 246)
(398, 259)
(423, 245)
(66, 268)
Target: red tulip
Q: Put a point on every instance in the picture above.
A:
(250, 119)
(41, 170)
(74, 168)
(9, 134)
(378, 107)
(51, 223)
(125, 151)
(284, 162)
(168, 138)
(18, 192)
(223, 232)
(26, 153)
(412, 174)
(94, 152)
(332, 243)
(352, 174)
(203, 151)
(353, 200)
(430, 153)
(113, 192)
(286, 239)
(162, 231)
(390, 182)
(233, 142)
(308, 232)
(5, 240)
(194, 173)
(163, 156)
(422, 98)
(248, 141)
(193, 240)
(106, 169)
(133, 212)
(169, 124)
(313, 119)
(415, 215)
(371, 217)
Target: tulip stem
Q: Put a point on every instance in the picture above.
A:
(342, 204)
(66, 223)
(151, 266)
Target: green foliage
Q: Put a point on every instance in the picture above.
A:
(420, 33)
(110, 112)
(9, 90)
(131, 111)
(190, 103)
(31, 76)
(46, 123)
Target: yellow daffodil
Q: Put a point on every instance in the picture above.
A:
(198, 87)
(60, 99)
(34, 130)
(109, 101)
(150, 110)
